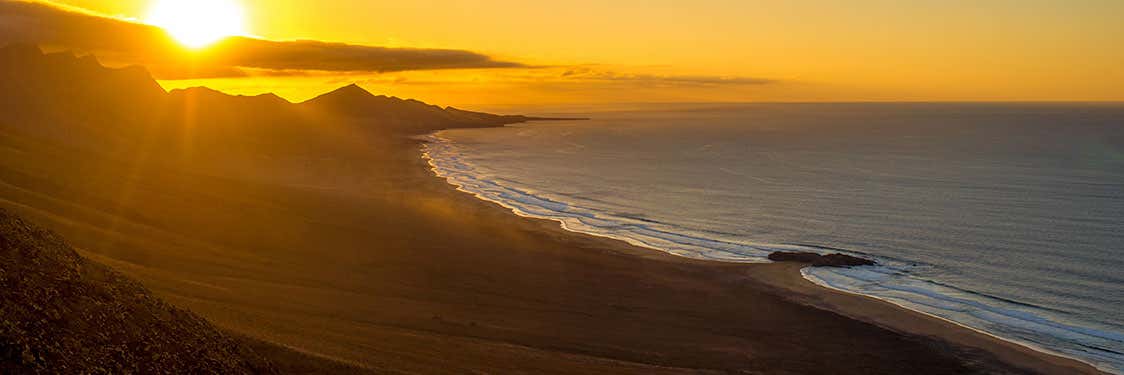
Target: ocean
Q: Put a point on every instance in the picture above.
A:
(1005, 218)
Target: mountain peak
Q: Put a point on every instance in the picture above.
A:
(347, 96)
(352, 90)
(197, 90)
(269, 96)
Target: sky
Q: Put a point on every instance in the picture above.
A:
(586, 51)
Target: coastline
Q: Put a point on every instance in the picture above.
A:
(313, 232)
(789, 277)
(797, 287)
(1014, 344)
(368, 259)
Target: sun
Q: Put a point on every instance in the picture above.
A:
(197, 23)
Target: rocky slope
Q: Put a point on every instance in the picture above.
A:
(62, 313)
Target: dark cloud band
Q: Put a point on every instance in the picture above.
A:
(129, 42)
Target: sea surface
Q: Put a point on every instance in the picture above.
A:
(1005, 218)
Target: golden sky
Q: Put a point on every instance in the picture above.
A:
(704, 50)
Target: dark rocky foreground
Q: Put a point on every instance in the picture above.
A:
(62, 313)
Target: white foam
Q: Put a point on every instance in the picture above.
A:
(992, 316)
(890, 281)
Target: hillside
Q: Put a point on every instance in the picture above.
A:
(62, 313)
(75, 132)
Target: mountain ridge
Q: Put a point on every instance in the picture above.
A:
(124, 114)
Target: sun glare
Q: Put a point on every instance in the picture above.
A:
(197, 23)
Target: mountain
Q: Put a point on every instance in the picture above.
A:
(72, 99)
(402, 114)
(62, 313)
(76, 92)
(218, 101)
(76, 102)
(26, 70)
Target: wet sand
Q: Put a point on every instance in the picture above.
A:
(372, 262)
(886, 315)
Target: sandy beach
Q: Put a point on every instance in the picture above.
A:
(230, 186)
(372, 261)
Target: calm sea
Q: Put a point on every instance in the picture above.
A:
(1006, 218)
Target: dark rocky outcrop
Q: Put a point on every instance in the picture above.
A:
(62, 313)
(817, 260)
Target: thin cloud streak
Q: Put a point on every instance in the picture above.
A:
(701, 80)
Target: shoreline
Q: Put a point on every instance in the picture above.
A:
(369, 259)
(790, 278)
(1024, 345)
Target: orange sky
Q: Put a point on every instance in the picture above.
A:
(706, 50)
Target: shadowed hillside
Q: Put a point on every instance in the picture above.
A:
(74, 133)
(61, 313)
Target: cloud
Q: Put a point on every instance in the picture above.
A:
(316, 55)
(589, 74)
(128, 42)
(575, 77)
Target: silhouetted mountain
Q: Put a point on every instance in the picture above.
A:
(64, 89)
(206, 107)
(345, 98)
(72, 99)
(123, 113)
(62, 313)
(403, 114)
(27, 70)
(205, 96)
